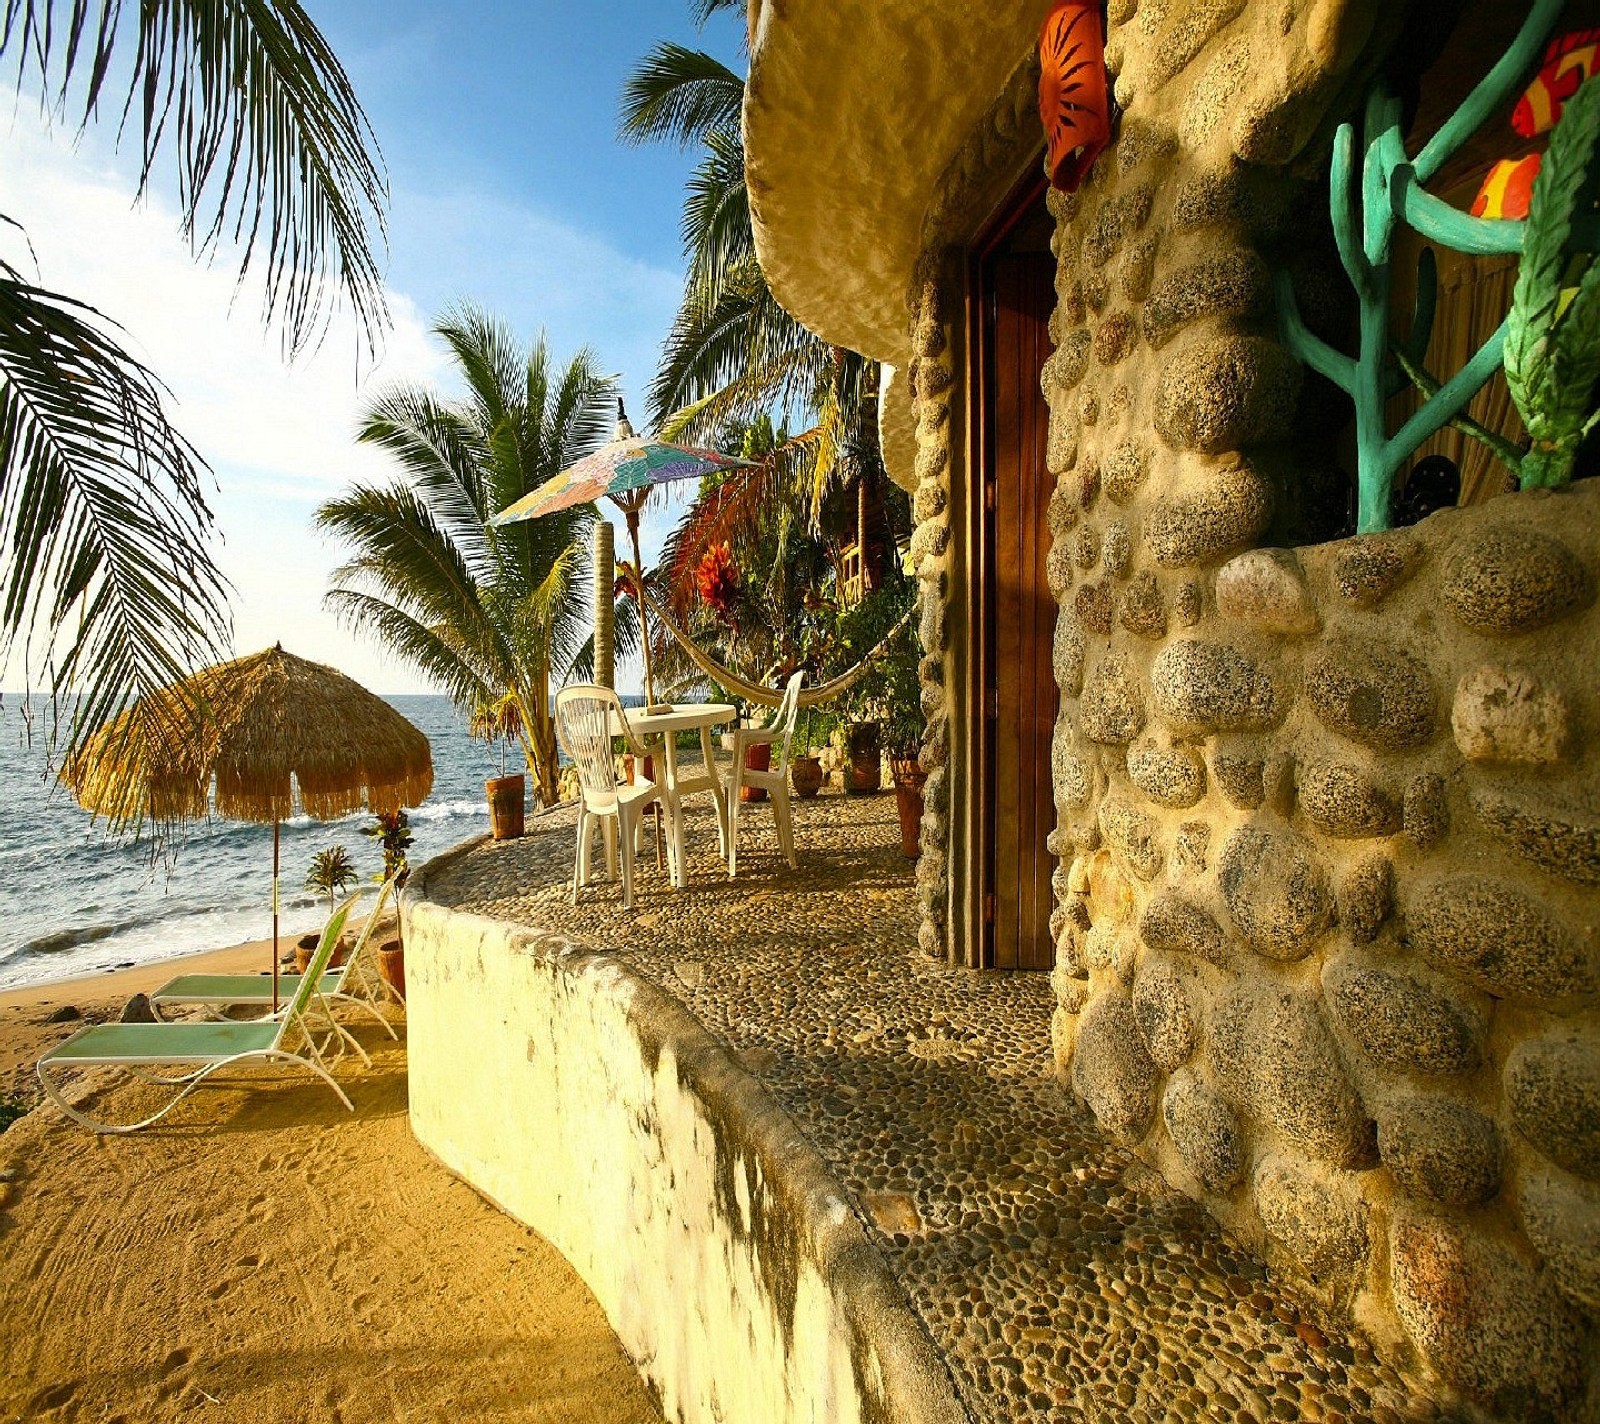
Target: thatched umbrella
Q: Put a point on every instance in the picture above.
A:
(263, 737)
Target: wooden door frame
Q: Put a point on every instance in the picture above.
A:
(977, 906)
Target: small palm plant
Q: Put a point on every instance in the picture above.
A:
(331, 872)
(499, 720)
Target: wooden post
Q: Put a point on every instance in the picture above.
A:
(274, 917)
(630, 505)
(605, 669)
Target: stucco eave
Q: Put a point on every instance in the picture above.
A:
(850, 118)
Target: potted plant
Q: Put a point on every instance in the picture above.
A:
(903, 720)
(805, 769)
(885, 705)
(392, 831)
(501, 721)
(330, 873)
(863, 772)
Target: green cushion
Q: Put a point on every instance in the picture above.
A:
(237, 988)
(164, 1043)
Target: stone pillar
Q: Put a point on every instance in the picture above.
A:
(605, 604)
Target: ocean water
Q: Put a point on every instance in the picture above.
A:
(73, 902)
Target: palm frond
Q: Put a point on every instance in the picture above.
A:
(681, 95)
(718, 237)
(270, 145)
(103, 519)
(426, 648)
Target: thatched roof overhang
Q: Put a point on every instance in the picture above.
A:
(851, 115)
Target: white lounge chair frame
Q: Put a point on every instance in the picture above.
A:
(202, 1049)
(358, 982)
(584, 722)
(775, 782)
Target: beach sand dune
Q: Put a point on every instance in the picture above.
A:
(270, 1257)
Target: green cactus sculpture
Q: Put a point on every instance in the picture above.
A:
(1553, 351)
(1365, 206)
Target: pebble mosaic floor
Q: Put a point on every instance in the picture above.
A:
(1059, 1276)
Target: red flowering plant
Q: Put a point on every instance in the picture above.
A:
(716, 579)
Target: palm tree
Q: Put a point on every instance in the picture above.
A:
(484, 612)
(733, 353)
(105, 574)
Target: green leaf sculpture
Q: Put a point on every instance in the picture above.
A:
(1552, 353)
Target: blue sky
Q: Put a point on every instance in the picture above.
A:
(510, 189)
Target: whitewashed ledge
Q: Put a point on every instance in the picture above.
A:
(593, 1107)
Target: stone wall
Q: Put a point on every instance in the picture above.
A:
(590, 1106)
(1327, 912)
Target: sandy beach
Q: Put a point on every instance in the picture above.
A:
(265, 1255)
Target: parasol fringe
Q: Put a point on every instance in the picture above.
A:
(272, 733)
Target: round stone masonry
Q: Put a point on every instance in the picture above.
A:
(1204, 1130)
(1491, 934)
(1276, 891)
(1372, 692)
(1322, 1223)
(1112, 1070)
(1507, 715)
(1561, 1215)
(1263, 590)
(1402, 1023)
(1512, 580)
(1485, 1318)
(1440, 1149)
(1172, 924)
(1553, 1085)
(1211, 687)
(1271, 1053)
(1344, 801)
(1165, 1014)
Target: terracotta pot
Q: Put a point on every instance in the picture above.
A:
(908, 781)
(756, 758)
(392, 965)
(507, 795)
(865, 772)
(307, 946)
(805, 775)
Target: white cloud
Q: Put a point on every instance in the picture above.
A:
(280, 438)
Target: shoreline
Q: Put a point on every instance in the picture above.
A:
(230, 959)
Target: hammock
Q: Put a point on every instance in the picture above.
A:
(754, 691)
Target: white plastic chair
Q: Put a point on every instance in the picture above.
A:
(775, 782)
(584, 726)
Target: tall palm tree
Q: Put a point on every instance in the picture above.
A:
(484, 612)
(105, 572)
(733, 352)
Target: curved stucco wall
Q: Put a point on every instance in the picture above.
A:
(594, 1108)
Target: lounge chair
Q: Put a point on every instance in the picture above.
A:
(201, 1049)
(357, 982)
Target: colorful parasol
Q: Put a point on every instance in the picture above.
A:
(624, 470)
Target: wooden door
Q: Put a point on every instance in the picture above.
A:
(1020, 614)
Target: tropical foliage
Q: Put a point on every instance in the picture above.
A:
(392, 831)
(331, 872)
(484, 612)
(109, 587)
(733, 353)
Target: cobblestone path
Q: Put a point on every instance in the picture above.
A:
(1059, 1276)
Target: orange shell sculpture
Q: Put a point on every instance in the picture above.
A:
(1073, 102)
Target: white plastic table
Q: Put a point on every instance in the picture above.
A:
(663, 727)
